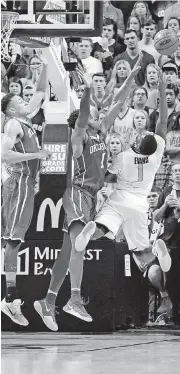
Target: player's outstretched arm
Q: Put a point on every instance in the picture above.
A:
(9, 138)
(40, 90)
(121, 96)
(161, 126)
(79, 134)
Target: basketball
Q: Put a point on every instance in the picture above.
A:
(166, 42)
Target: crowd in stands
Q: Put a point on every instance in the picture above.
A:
(127, 30)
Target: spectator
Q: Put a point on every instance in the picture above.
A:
(33, 71)
(91, 64)
(100, 97)
(80, 90)
(114, 147)
(171, 71)
(22, 56)
(119, 74)
(147, 42)
(86, 18)
(168, 208)
(141, 11)
(173, 107)
(107, 47)
(173, 141)
(153, 201)
(154, 231)
(28, 93)
(151, 84)
(139, 99)
(15, 86)
(163, 176)
(109, 11)
(132, 54)
(133, 23)
(172, 9)
(123, 124)
(140, 121)
(173, 25)
(37, 118)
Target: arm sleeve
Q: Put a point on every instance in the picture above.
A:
(160, 149)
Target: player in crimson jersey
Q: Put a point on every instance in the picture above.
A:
(79, 200)
(20, 163)
(127, 206)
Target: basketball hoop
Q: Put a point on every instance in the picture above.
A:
(8, 19)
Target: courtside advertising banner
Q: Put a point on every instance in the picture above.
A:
(57, 164)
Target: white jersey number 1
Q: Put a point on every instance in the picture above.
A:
(102, 160)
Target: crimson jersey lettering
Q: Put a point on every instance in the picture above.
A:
(90, 167)
(27, 144)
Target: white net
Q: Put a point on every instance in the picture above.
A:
(8, 19)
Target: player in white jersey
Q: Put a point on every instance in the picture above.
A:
(127, 206)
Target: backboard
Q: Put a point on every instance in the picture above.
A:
(56, 18)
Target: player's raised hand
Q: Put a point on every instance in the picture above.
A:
(44, 154)
(162, 79)
(85, 76)
(137, 66)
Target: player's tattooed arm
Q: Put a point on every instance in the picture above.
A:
(161, 126)
(121, 96)
(12, 134)
(79, 134)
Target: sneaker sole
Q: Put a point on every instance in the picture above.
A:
(160, 322)
(68, 310)
(38, 308)
(84, 237)
(6, 312)
(163, 255)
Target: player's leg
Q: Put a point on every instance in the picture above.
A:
(156, 277)
(107, 220)
(11, 304)
(75, 304)
(46, 307)
(137, 236)
(17, 208)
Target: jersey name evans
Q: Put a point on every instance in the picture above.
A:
(141, 160)
(97, 147)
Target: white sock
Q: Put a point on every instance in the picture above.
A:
(55, 293)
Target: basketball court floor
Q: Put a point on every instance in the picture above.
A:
(126, 352)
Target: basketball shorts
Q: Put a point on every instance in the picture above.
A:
(132, 218)
(78, 205)
(17, 206)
